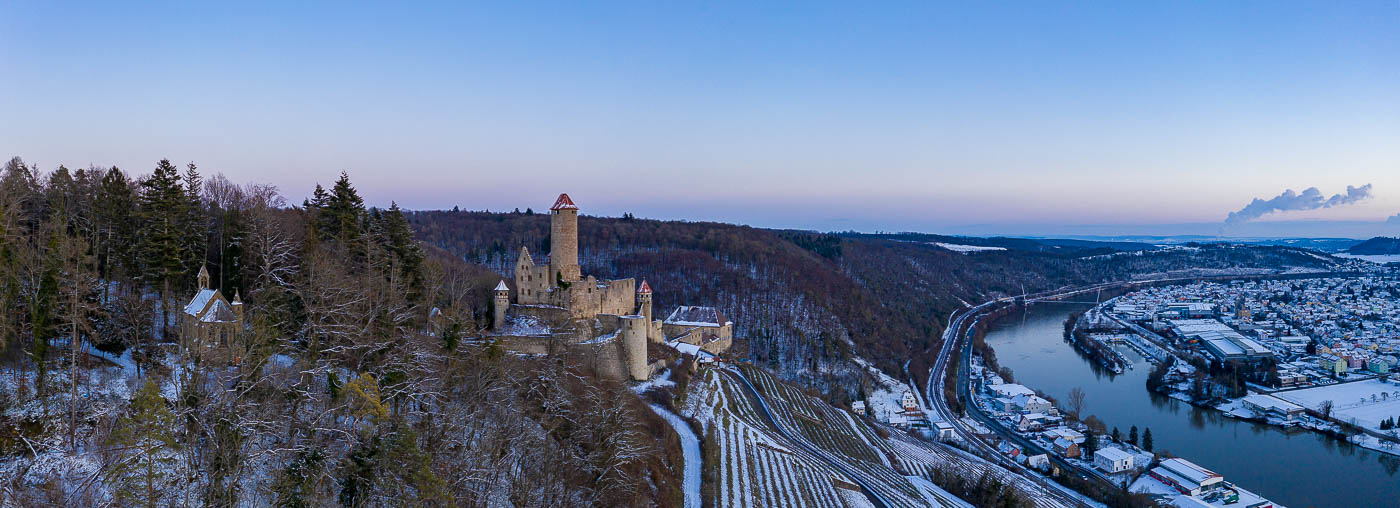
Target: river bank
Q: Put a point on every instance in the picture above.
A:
(1284, 466)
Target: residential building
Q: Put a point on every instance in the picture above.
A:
(1113, 460)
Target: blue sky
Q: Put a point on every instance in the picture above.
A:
(1012, 118)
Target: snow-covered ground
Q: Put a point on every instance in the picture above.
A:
(886, 393)
(1352, 401)
(1374, 258)
(690, 448)
(658, 381)
(967, 249)
(524, 326)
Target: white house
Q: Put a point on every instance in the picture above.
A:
(1031, 422)
(909, 402)
(1032, 403)
(858, 407)
(1113, 460)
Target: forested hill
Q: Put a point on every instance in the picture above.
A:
(803, 299)
(344, 376)
(1380, 245)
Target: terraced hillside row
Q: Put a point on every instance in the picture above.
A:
(887, 462)
(752, 463)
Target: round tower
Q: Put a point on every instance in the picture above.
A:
(634, 347)
(498, 319)
(644, 301)
(563, 239)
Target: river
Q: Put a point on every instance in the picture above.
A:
(1295, 468)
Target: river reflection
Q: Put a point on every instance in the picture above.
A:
(1293, 468)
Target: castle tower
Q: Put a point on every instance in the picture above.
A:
(634, 347)
(203, 277)
(563, 240)
(524, 267)
(644, 301)
(498, 320)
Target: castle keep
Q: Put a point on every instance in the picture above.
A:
(556, 308)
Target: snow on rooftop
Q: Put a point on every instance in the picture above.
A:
(1113, 454)
(694, 315)
(564, 203)
(200, 300)
(502, 286)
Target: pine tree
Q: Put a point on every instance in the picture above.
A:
(1133, 435)
(1147, 439)
(116, 226)
(343, 212)
(1116, 435)
(146, 437)
(194, 227)
(163, 208)
(407, 255)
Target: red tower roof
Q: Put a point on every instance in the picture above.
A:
(564, 203)
(646, 288)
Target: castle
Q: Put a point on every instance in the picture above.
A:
(608, 322)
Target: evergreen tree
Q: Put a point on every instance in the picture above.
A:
(116, 226)
(1147, 439)
(194, 224)
(407, 255)
(1133, 435)
(296, 485)
(1116, 435)
(163, 240)
(342, 214)
(145, 437)
(1091, 443)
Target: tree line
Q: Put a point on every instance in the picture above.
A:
(357, 376)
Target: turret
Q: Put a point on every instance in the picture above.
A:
(563, 240)
(237, 305)
(498, 319)
(644, 301)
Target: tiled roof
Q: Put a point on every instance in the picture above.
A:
(564, 203)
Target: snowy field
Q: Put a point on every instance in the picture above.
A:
(1374, 258)
(967, 249)
(1368, 402)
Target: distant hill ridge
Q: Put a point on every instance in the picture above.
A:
(1379, 245)
(803, 302)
